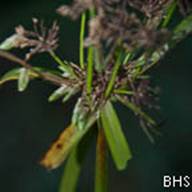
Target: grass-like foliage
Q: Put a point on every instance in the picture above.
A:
(125, 39)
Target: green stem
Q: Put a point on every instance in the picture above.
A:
(137, 110)
(90, 70)
(101, 163)
(57, 59)
(58, 80)
(128, 56)
(123, 92)
(169, 15)
(113, 76)
(67, 68)
(74, 163)
(90, 59)
(71, 173)
(81, 45)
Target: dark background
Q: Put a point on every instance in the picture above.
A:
(28, 123)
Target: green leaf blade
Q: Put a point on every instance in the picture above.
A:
(137, 110)
(183, 29)
(170, 11)
(117, 142)
(74, 164)
(71, 173)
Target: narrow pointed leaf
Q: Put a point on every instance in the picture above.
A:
(117, 142)
(63, 65)
(58, 93)
(170, 11)
(137, 110)
(183, 29)
(71, 92)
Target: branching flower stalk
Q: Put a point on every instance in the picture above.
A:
(125, 40)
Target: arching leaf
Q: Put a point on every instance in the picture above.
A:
(116, 139)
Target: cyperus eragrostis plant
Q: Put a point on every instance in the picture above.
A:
(126, 38)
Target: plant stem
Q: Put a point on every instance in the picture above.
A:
(137, 110)
(44, 75)
(128, 56)
(113, 76)
(169, 15)
(90, 70)
(71, 173)
(57, 59)
(81, 45)
(101, 162)
(123, 92)
(75, 162)
(90, 61)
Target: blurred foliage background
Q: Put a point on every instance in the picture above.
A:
(28, 123)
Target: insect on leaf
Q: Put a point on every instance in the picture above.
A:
(63, 145)
(117, 142)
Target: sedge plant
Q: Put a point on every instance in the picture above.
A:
(125, 40)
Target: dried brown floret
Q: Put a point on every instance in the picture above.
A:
(75, 10)
(150, 8)
(119, 26)
(40, 39)
(114, 23)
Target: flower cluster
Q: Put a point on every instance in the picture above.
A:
(39, 40)
(125, 39)
(113, 21)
